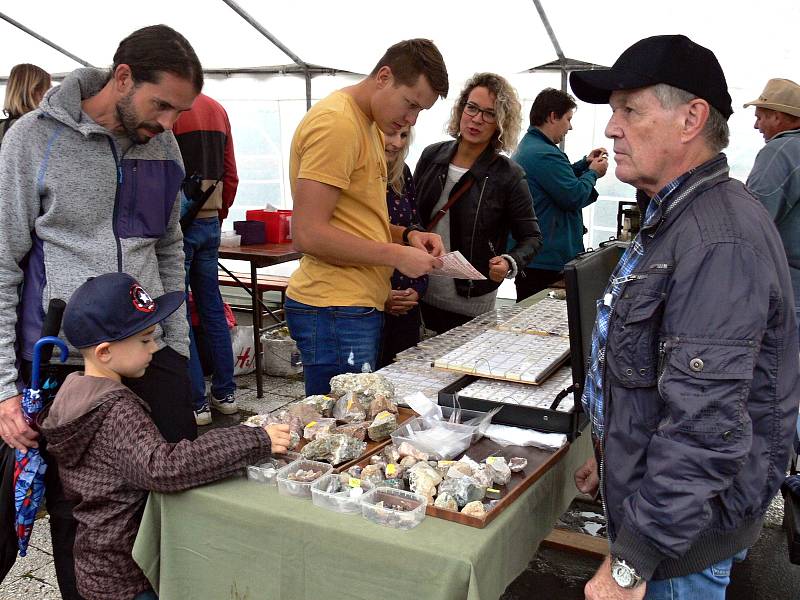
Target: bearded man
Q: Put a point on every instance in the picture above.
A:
(89, 184)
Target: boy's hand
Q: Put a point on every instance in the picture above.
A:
(278, 437)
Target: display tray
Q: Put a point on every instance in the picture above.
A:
(539, 462)
(541, 419)
(403, 415)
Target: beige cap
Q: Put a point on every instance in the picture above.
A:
(782, 95)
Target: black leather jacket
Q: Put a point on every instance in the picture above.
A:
(498, 202)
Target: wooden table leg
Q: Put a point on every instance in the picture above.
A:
(256, 329)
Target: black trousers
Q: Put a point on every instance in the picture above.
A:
(165, 388)
(399, 333)
(535, 280)
(440, 320)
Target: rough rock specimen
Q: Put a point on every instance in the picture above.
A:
(382, 427)
(335, 449)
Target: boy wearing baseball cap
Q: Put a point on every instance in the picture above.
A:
(109, 452)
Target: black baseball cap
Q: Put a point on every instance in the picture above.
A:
(112, 307)
(672, 59)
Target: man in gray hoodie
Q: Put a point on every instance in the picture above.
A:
(89, 184)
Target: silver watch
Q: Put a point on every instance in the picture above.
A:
(623, 574)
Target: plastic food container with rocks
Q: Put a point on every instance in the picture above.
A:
(296, 478)
(441, 440)
(393, 508)
(332, 493)
(267, 472)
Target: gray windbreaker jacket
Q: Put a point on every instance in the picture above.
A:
(775, 180)
(72, 206)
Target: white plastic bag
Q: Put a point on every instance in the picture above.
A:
(244, 355)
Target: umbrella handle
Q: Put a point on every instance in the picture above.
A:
(37, 352)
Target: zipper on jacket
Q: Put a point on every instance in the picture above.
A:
(475, 223)
(116, 203)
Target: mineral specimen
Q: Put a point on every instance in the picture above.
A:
(372, 473)
(484, 475)
(319, 429)
(464, 490)
(391, 453)
(459, 469)
(305, 412)
(446, 501)
(516, 464)
(335, 449)
(423, 480)
(380, 404)
(502, 472)
(407, 461)
(407, 449)
(349, 409)
(304, 475)
(356, 430)
(322, 404)
(367, 384)
(474, 509)
(382, 427)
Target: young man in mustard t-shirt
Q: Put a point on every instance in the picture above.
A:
(338, 176)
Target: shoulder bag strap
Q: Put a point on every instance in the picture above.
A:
(453, 199)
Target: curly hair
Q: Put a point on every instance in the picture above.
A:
(507, 107)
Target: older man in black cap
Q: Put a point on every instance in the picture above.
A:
(692, 385)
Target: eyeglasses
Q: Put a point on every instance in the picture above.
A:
(472, 110)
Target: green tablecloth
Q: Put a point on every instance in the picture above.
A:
(240, 540)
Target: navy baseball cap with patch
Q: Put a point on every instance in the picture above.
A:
(672, 59)
(112, 307)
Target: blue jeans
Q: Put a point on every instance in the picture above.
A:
(708, 584)
(333, 340)
(201, 246)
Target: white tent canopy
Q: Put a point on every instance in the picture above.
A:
(506, 36)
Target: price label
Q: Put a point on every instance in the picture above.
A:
(391, 469)
(491, 460)
(311, 424)
(354, 482)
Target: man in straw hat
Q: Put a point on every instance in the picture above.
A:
(775, 178)
(693, 382)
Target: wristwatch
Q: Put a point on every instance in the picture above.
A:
(623, 574)
(408, 230)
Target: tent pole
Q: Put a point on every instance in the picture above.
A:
(44, 40)
(308, 89)
(260, 28)
(560, 53)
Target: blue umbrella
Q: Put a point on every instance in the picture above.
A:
(30, 467)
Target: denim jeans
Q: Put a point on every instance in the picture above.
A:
(333, 340)
(201, 247)
(708, 584)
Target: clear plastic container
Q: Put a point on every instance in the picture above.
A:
(338, 501)
(266, 472)
(441, 440)
(300, 489)
(381, 506)
(230, 238)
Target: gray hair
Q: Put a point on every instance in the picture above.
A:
(715, 132)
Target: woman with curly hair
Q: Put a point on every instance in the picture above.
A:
(25, 89)
(474, 196)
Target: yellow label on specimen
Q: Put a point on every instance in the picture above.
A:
(391, 469)
(491, 460)
(493, 490)
(311, 424)
(382, 415)
(354, 482)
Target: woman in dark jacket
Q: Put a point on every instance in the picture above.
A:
(492, 200)
(401, 322)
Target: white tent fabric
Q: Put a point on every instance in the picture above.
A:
(507, 37)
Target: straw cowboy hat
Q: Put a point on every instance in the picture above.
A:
(782, 95)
